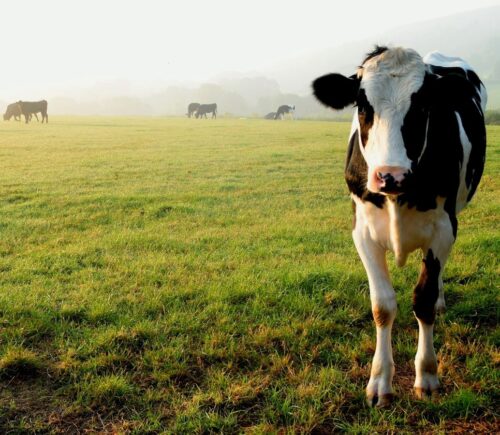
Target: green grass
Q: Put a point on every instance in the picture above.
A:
(199, 276)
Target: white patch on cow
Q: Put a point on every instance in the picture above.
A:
(463, 190)
(383, 299)
(389, 80)
(354, 124)
(484, 97)
(395, 232)
(426, 379)
(439, 59)
(400, 229)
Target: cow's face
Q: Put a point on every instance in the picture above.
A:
(383, 91)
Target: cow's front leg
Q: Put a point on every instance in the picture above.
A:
(379, 390)
(428, 299)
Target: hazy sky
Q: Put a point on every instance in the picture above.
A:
(52, 45)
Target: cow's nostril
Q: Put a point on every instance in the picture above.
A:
(385, 177)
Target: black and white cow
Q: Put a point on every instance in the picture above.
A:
(416, 155)
(284, 110)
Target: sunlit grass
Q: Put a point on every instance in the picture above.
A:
(196, 276)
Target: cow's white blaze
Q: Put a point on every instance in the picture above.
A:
(389, 80)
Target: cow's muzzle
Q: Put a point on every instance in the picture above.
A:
(390, 180)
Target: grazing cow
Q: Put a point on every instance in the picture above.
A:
(29, 108)
(270, 115)
(203, 109)
(13, 110)
(415, 157)
(284, 110)
(192, 108)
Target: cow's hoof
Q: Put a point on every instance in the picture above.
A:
(379, 392)
(426, 393)
(382, 401)
(427, 387)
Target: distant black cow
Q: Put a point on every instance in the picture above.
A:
(29, 108)
(270, 115)
(283, 110)
(192, 108)
(203, 109)
(13, 110)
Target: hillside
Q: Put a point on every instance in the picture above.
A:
(472, 35)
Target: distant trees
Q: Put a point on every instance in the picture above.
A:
(492, 117)
(244, 96)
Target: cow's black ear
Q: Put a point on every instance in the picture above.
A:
(336, 90)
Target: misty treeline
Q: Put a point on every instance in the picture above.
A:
(241, 97)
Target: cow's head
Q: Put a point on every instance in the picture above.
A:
(387, 93)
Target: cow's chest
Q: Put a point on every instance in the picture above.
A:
(398, 228)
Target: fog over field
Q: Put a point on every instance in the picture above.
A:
(116, 58)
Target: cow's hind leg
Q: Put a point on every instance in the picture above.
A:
(428, 299)
(383, 299)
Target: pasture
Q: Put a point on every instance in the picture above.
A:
(183, 276)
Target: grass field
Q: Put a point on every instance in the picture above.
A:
(191, 276)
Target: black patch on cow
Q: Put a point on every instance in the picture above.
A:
(356, 174)
(377, 51)
(474, 79)
(335, 90)
(469, 75)
(426, 291)
(438, 171)
(448, 70)
(365, 115)
(436, 106)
